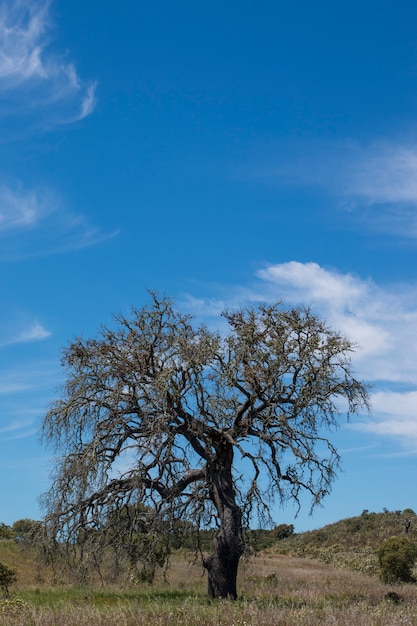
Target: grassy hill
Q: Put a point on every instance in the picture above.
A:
(351, 542)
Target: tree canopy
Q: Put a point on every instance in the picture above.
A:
(197, 424)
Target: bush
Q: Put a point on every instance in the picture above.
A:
(5, 531)
(396, 559)
(7, 578)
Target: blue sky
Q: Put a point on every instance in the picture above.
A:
(223, 153)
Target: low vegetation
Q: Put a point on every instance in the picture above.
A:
(396, 557)
(283, 581)
(352, 543)
(7, 578)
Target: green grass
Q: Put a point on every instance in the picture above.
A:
(275, 589)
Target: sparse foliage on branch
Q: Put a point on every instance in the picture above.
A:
(162, 413)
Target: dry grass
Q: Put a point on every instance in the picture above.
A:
(275, 590)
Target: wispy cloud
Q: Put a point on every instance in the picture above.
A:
(41, 224)
(18, 429)
(32, 77)
(89, 101)
(380, 182)
(384, 173)
(22, 421)
(22, 28)
(18, 327)
(21, 209)
(375, 183)
(22, 333)
(382, 321)
(34, 332)
(39, 88)
(30, 376)
(26, 389)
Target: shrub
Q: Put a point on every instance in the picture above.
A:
(5, 531)
(7, 578)
(396, 559)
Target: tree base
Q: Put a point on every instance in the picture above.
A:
(222, 575)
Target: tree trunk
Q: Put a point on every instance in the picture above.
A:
(222, 565)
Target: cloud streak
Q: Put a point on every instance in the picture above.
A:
(34, 332)
(21, 210)
(374, 184)
(32, 78)
(41, 225)
(25, 333)
(25, 393)
(385, 173)
(39, 89)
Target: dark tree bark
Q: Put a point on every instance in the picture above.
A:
(223, 564)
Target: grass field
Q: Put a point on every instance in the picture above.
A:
(274, 590)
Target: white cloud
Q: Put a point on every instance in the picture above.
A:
(15, 426)
(21, 333)
(35, 332)
(33, 77)
(375, 184)
(394, 415)
(382, 321)
(18, 327)
(21, 209)
(384, 173)
(381, 182)
(10, 386)
(89, 101)
(315, 282)
(36, 82)
(27, 377)
(22, 27)
(400, 403)
(41, 225)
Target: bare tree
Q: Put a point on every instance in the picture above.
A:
(199, 425)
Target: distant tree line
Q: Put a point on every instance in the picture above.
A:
(130, 544)
(21, 530)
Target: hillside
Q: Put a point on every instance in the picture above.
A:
(350, 542)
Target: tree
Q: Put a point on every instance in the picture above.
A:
(25, 530)
(282, 531)
(199, 425)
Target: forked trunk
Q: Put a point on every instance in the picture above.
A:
(223, 564)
